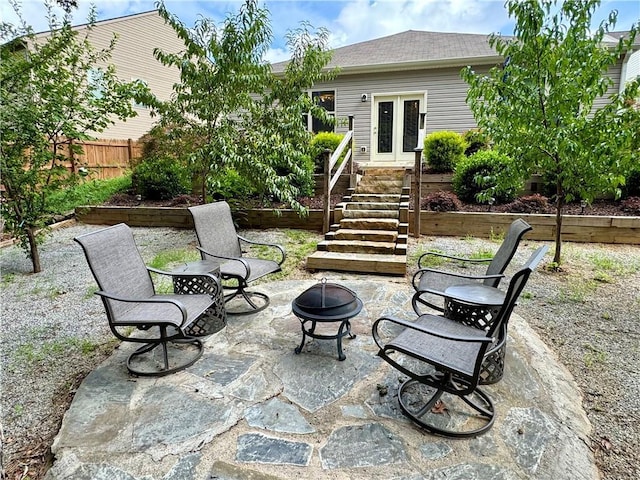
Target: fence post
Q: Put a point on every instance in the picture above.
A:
(129, 151)
(326, 221)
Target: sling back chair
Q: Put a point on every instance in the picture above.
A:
(130, 300)
(430, 283)
(218, 239)
(442, 356)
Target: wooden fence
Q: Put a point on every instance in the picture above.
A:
(105, 158)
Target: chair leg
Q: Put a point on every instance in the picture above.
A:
(437, 420)
(249, 298)
(139, 354)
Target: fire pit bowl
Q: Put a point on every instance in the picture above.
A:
(326, 302)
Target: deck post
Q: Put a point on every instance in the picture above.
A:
(417, 176)
(326, 221)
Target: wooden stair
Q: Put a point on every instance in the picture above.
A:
(371, 230)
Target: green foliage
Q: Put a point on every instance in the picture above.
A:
(443, 150)
(478, 178)
(632, 182)
(90, 192)
(539, 106)
(321, 142)
(476, 140)
(160, 178)
(231, 186)
(248, 120)
(47, 102)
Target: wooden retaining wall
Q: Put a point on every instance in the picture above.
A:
(575, 228)
(179, 217)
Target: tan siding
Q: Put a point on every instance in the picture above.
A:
(133, 58)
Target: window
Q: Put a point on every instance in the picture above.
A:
(327, 100)
(95, 81)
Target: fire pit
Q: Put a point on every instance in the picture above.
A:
(326, 302)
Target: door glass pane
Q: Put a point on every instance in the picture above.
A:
(385, 127)
(410, 125)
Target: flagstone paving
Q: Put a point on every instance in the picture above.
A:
(251, 408)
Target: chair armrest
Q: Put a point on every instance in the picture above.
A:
(244, 263)
(420, 328)
(452, 257)
(418, 275)
(118, 298)
(283, 254)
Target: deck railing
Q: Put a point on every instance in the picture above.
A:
(331, 177)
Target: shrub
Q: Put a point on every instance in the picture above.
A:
(229, 185)
(632, 183)
(476, 177)
(631, 205)
(535, 203)
(442, 150)
(441, 202)
(476, 140)
(319, 143)
(160, 178)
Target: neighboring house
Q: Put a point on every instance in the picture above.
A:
(387, 82)
(138, 35)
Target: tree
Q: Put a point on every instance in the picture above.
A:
(540, 105)
(236, 114)
(47, 102)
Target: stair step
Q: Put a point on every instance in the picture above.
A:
(376, 197)
(370, 235)
(402, 239)
(372, 206)
(401, 249)
(378, 214)
(369, 223)
(357, 246)
(358, 262)
(403, 228)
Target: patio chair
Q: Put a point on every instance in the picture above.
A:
(430, 283)
(130, 300)
(218, 239)
(442, 356)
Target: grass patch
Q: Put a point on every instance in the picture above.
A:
(577, 290)
(593, 356)
(299, 244)
(429, 261)
(32, 353)
(90, 192)
(167, 259)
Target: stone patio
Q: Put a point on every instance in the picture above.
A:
(251, 408)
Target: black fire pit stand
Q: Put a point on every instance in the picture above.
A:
(326, 302)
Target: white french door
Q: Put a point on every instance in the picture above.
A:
(395, 123)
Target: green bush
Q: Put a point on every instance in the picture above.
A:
(632, 183)
(476, 177)
(319, 143)
(160, 178)
(230, 185)
(476, 140)
(442, 150)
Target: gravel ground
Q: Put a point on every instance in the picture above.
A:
(54, 332)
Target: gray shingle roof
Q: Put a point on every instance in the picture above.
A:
(411, 49)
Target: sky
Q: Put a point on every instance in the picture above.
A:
(348, 21)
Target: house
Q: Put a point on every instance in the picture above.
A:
(387, 82)
(138, 35)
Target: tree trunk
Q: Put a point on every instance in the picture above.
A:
(33, 250)
(559, 206)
